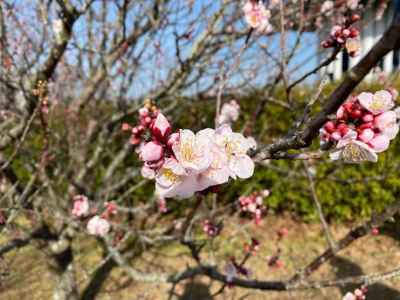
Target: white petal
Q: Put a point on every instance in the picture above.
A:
(242, 166)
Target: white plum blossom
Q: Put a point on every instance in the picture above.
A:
(236, 147)
(387, 124)
(327, 8)
(351, 150)
(377, 103)
(98, 226)
(257, 16)
(193, 151)
(172, 180)
(229, 113)
(349, 296)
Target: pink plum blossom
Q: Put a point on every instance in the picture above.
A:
(172, 180)
(257, 16)
(229, 113)
(377, 103)
(81, 206)
(98, 226)
(151, 151)
(193, 151)
(236, 147)
(353, 151)
(387, 124)
(380, 143)
(353, 46)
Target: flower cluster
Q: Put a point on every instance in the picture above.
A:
(345, 36)
(185, 162)
(229, 113)
(253, 204)
(358, 294)
(364, 126)
(97, 225)
(257, 16)
(253, 247)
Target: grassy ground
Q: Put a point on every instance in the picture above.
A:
(27, 275)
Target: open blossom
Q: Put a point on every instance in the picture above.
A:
(98, 226)
(349, 296)
(257, 16)
(81, 206)
(236, 147)
(387, 124)
(229, 113)
(193, 151)
(377, 103)
(353, 151)
(172, 180)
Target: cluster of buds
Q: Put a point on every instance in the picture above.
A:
(97, 225)
(275, 261)
(183, 162)
(254, 205)
(345, 36)
(147, 118)
(253, 247)
(358, 294)
(363, 126)
(210, 228)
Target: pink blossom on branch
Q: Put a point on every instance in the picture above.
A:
(98, 226)
(364, 126)
(80, 207)
(257, 16)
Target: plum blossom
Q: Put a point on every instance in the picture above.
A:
(387, 124)
(172, 180)
(192, 151)
(236, 147)
(81, 206)
(257, 16)
(353, 151)
(377, 103)
(183, 162)
(98, 226)
(364, 126)
(229, 113)
(327, 8)
(352, 4)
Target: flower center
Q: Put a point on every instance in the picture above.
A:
(171, 176)
(187, 151)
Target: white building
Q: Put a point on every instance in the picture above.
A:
(371, 30)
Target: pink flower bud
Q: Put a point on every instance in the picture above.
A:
(343, 128)
(161, 127)
(368, 118)
(151, 151)
(173, 139)
(125, 126)
(330, 127)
